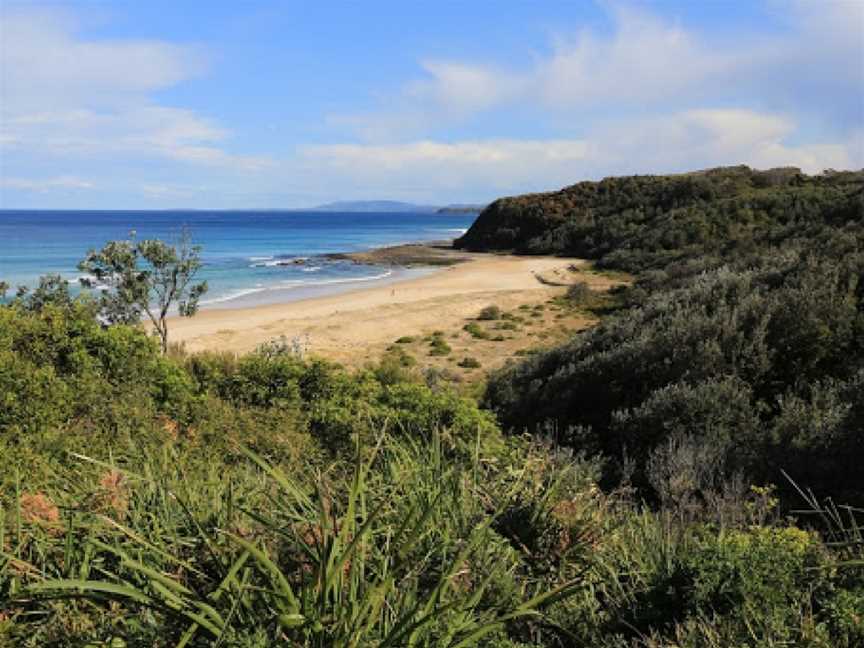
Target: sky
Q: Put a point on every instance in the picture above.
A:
(233, 105)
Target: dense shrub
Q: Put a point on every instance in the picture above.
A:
(640, 222)
(719, 358)
(59, 369)
(490, 313)
(744, 327)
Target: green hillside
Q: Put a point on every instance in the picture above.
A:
(742, 335)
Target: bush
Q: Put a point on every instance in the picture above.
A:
(469, 363)
(476, 331)
(722, 355)
(506, 326)
(579, 293)
(490, 313)
(439, 347)
(394, 367)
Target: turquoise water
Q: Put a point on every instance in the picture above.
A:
(250, 257)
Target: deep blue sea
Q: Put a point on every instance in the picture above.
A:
(247, 254)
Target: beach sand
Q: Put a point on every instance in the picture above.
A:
(357, 326)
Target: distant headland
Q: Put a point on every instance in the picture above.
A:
(393, 206)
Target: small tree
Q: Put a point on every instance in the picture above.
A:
(4, 288)
(53, 290)
(146, 276)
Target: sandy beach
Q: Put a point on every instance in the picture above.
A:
(357, 326)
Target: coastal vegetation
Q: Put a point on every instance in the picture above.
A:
(644, 483)
(145, 277)
(742, 332)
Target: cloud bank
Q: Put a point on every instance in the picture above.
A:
(648, 94)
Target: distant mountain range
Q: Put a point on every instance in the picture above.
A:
(392, 206)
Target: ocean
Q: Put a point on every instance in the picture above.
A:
(250, 257)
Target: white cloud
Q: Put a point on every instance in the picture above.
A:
(450, 92)
(45, 62)
(46, 184)
(645, 60)
(481, 169)
(160, 191)
(439, 167)
(471, 152)
(715, 137)
(648, 65)
(157, 131)
(64, 96)
(461, 89)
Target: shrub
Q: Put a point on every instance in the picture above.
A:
(439, 347)
(579, 293)
(729, 352)
(476, 331)
(506, 326)
(394, 365)
(406, 339)
(469, 363)
(490, 313)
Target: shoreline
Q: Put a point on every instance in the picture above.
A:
(399, 262)
(355, 326)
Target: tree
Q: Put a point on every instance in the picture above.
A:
(53, 290)
(146, 276)
(4, 288)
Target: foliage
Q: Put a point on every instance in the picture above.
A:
(276, 499)
(438, 345)
(490, 313)
(638, 223)
(148, 276)
(184, 500)
(579, 293)
(476, 331)
(755, 350)
(469, 363)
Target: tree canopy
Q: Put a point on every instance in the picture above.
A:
(148, 276)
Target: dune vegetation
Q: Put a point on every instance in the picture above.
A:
(682, 474)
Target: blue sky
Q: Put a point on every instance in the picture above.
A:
(289, 104)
